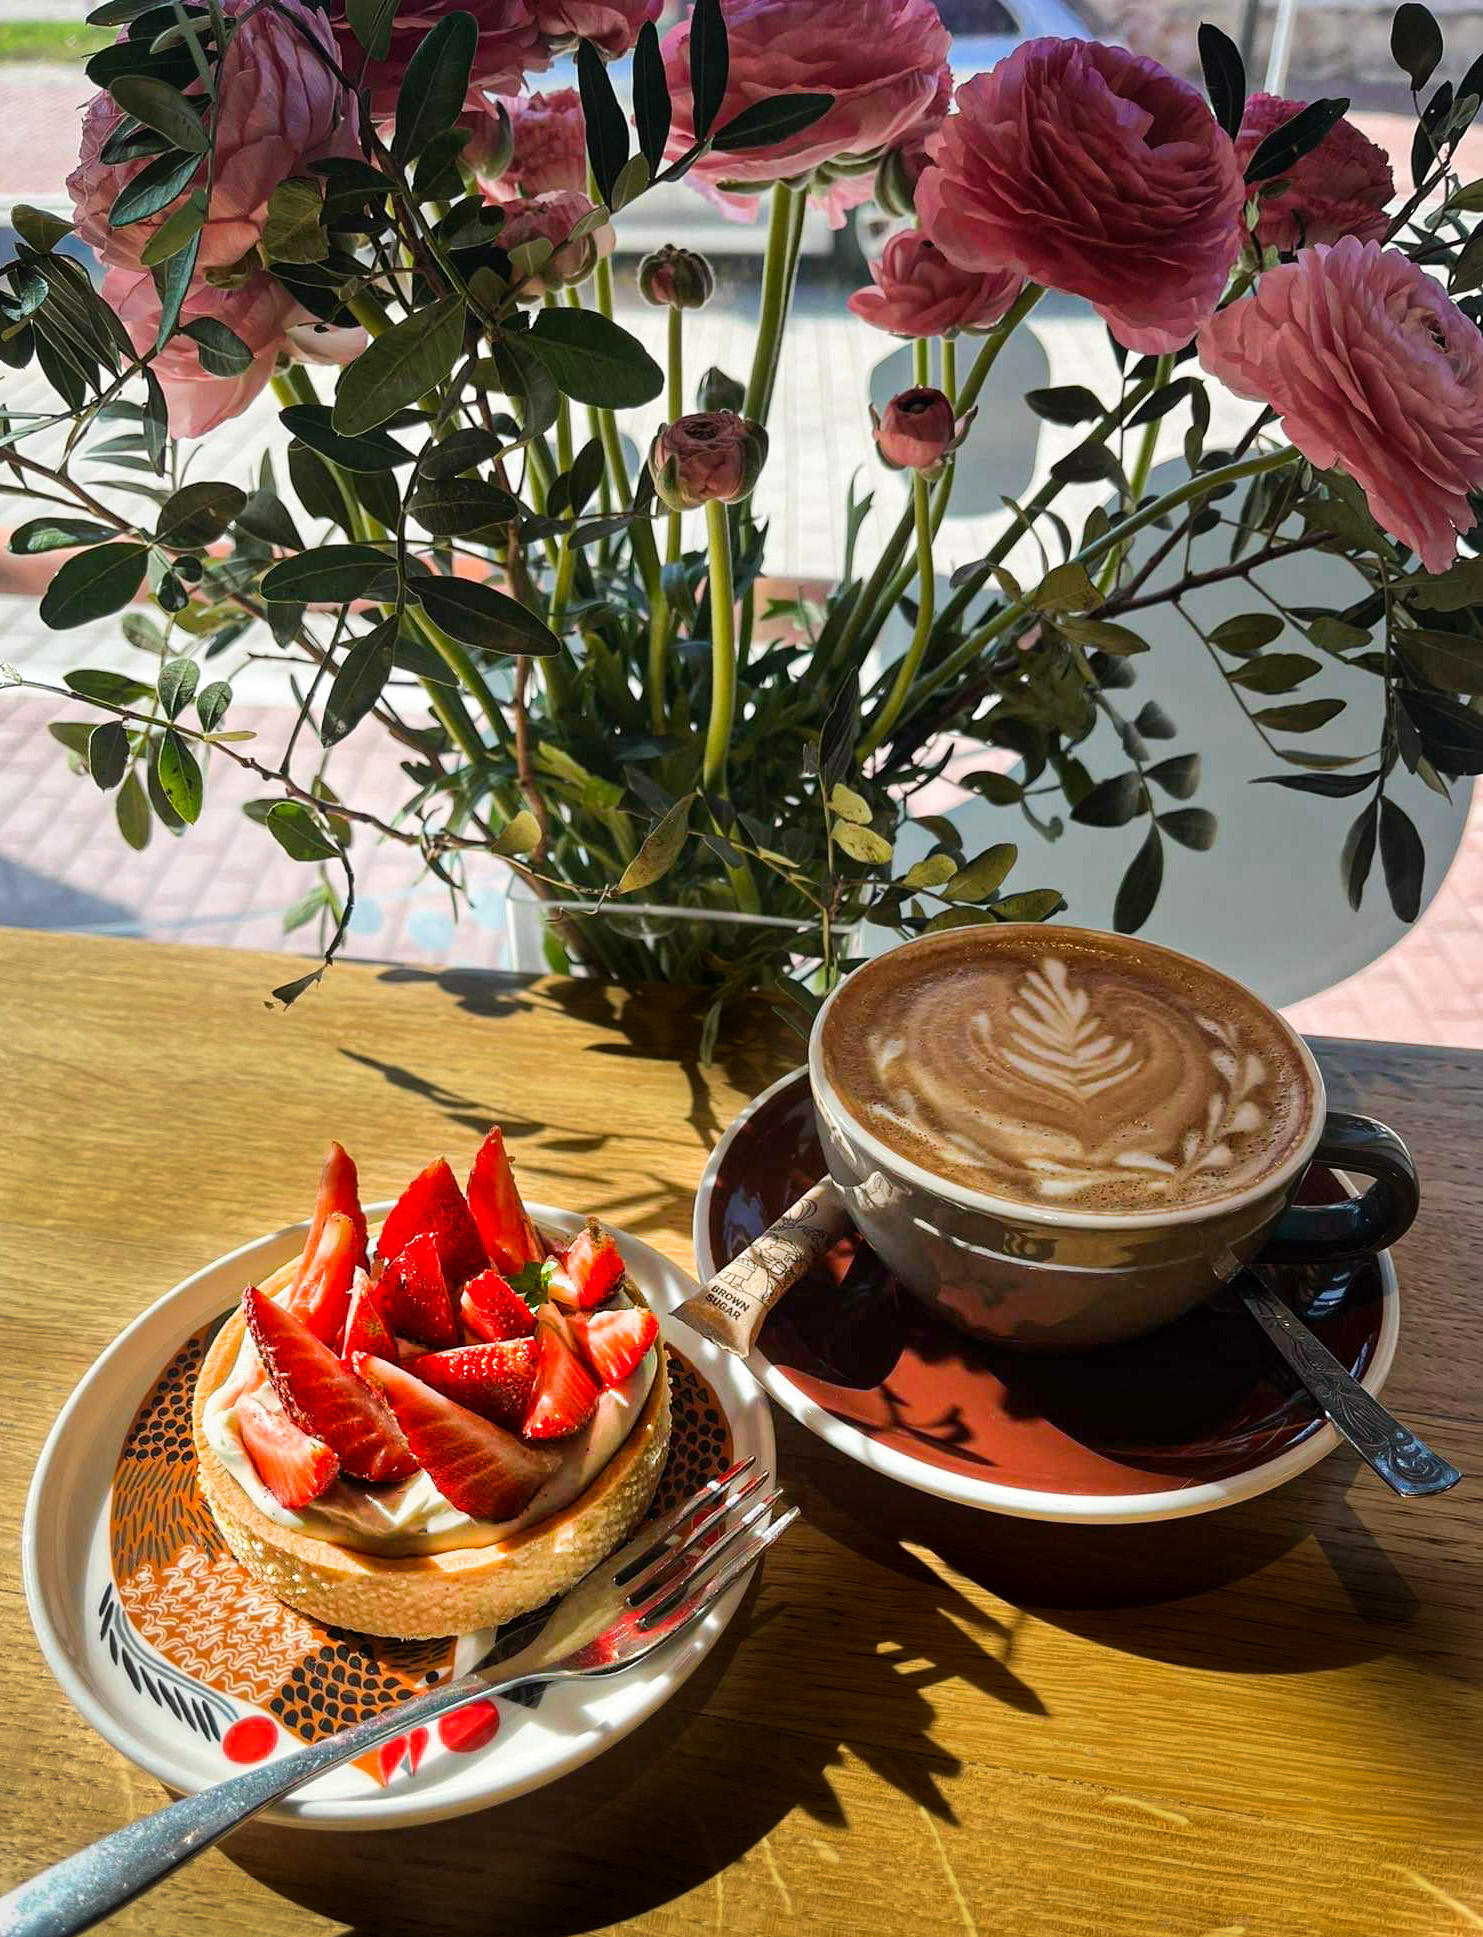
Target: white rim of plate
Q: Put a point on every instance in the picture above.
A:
(747, 1416)
(1028, 1503)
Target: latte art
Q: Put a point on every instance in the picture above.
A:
(1087, 1074)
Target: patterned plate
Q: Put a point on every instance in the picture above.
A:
(1195, 1416)
(175, 1655)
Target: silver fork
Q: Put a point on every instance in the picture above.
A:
(637, 1600)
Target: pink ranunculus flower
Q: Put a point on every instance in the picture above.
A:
(917, 291)
(259, 311)
(880, 59)
(917, 430)
(549, 145)
(1089, 170)
(1339, 188)
(281, 109)
(901, 167)
(552, 218)
(612, 25)
(1371, 367)
(711, 456)
(509, 47)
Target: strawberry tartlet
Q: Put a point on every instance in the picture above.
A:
(438, 1436)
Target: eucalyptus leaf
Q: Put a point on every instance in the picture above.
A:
(61, 532)
(131, 811)
(1415, 43)
(1225, 77)
(997, 788)
(293, 230)
(1247, 633)
(211, 704)
(651, 104)
(112, 689)
(931, 872)
(177, 684)
(1451, 733)
(332, 575)
(521, 834)
(221, 351)
(93, 584)
(359, 682)
(1111, 803)
(660, 848)
(983, 875)
(1304, 717)
(435, 85)
(1139, 888)
(1329, 786)
(1034, 904)
(477, 615)
(198, 514)
(1179, 775)
(299, 831)
(153, 188)
(370, 450)
(402, 365)
(594, 361)
(450, 507)
(1190, 826)
(1070, 403)
(710, 64)
(108, 754)
(179, 775)
(1357, 855)
(1444, 659)
(163, 108)
(605, 123)
(766, 123)
(1274, 672)
(845, 802)
(861, 843)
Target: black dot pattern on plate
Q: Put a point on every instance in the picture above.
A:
(699, 1435)
(347, 1679)
(156, 1508)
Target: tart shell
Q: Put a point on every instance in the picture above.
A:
(425, 1596)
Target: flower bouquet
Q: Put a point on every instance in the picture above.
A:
(362, 205)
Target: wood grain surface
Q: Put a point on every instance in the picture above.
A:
(1257, 1723)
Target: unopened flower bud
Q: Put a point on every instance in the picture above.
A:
(551, 218)
(896, 176)
(717, 391)
(674, 278)
(918, 431)
(713, 456)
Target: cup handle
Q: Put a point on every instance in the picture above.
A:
(1331, 1233)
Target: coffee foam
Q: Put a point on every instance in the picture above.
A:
(1078, 1071)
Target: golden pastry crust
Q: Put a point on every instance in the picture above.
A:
(423, 1596)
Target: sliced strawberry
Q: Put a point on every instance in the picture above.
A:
(494, 1381)
(321, 1294)
(293, 1467)
(324, 1397)
(433, 1202)
(589, 1270)
(365, 1329)
(565, 1391)
(509, 1236)
(614, 1342)
(414, 1297)
(492, 1310)
(475, 1465)
(339, 1190)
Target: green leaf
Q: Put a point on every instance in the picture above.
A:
(1305, 717)
(979, 879)
(1415, 43)
(1070, 403)
(1111, 803)
(372, 450)
(1357, 854)
(1330, 786)
(73, 735)
(848, 804)
(1119, 640)
(840, 731)
(605, 122)
(660, 849)
(359, 682)
(293, 231)
(399, 367)
(1450, 591)
(1274, 672)
(710, 64)
(450, 507)
(112, 689)
(861, 843)
(153, 188)
(163, 108)
(177, 229)
(1190, 826)
(521, 834)
(211, 704)
(1067, 588)
(1334, 635)
(303, 911)
(1179, 775)
(1403, 858)
(477, 615)
(266, 517)
(298, 831)
(931, 872)
(1248, 633)
(333, 575)
(179, 776)
(996, 788)
(92, 585)
(38, 228)
(155, 423)
(1277, 153)
(1444, 659)
(1225, 77)
(435, 85)
(371, 23)
(198, 514)
(592, 790)
(651, 106)
(177, 685)
(594, 361)
(131, 811)
(1139, 888)
(221, 351)
(57, 533)
(108, 754)
(1451, 733)
(1035, 904)
(768, 122)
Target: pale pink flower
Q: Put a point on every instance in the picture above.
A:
(1339, 188)
(549, 145)
(710, 456)
(259, 312)
(552, 218)
(880, 59)
(281, 109)
(917, 291)
(1089, 170)
(612, 25)
(1372, 368)
(509, 47)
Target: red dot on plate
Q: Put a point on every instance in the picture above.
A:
(467, 1729)
(250, 1739)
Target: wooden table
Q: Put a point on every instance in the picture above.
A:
(1259, 1723)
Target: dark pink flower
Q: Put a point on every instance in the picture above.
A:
(259, 312)
(917, 291)
(612, 25)
(879, 59)
(281, 109)
(509, 47)
(551, 218)
(711, 456)
(548, 145)
(1371, 367)
(900, 168)
(917, 430)
(1089, 170)
(1341, 187)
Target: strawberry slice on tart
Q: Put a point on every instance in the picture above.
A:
(323, 1397)
(476, 1466)
(339, 1192)
(492, 1309)
(321, 1292)
(565, 1392)
(365, 1329)
(589, 1270)
(433, 1202)
(493, 1380)
(414, 1297)
(295, 1467)
(509, 1236)
(614, 1342)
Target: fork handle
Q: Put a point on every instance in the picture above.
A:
(81, 1890)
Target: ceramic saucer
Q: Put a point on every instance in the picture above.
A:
(1195, 1416)
(174, 1654)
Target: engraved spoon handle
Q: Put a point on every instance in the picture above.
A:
(1405, 1463)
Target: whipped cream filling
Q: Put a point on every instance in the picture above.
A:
(411, 1516)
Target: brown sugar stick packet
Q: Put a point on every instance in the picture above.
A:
(729, 1310)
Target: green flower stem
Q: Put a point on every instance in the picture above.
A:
(779, 272)
(948, 347)
(369, 311)
(911, 661)
(1137, 477)
(446, 702)
(723, 681)
(921, 362)
(675, 407)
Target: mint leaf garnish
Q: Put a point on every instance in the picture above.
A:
(531, 1281)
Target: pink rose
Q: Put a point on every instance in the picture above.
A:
(549, 148)
(509, 48)
(281, 109)
(918, 292)
(1371, 367)
(613, 25)
(880, 59)
(551, 218)
(918, 430)
(259, 312)
(1089, 170)
(713, 456)
(1339, 188)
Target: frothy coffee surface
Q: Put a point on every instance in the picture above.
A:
(1047, 1069)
